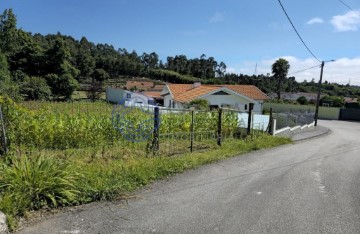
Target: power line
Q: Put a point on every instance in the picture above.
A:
(304, 69)
(298, 32)
(349, 7)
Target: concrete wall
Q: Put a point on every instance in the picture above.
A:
(332, 113)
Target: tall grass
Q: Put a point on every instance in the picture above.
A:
(68, 125)
(34, 181)
(79, 157)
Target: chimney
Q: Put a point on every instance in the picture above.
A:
(196, 84)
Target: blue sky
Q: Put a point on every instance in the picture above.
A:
(240, 33)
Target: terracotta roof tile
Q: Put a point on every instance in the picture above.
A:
(154, 94)
(194, 93)
(144, 85)
(186, 92)
(250, 91)
(158, 87)
(177, 89)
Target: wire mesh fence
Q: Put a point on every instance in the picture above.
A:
(184, 130)
(293, 119)
(144, 129)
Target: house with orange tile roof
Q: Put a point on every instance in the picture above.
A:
(230, 96)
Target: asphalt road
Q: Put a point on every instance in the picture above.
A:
(311, 186)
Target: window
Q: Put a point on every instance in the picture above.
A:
(173, 104)
(221, 93)
(245, 106)
(128, 95)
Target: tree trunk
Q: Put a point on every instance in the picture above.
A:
(279, 89)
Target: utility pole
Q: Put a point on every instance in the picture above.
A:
(318, 94)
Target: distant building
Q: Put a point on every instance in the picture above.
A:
(121, 96)
(149, 88)
(350, 100)
(294, 96)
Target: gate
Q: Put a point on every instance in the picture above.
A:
(350, 114)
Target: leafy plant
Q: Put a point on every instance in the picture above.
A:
(36, 180)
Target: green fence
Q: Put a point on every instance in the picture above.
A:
(331, 113)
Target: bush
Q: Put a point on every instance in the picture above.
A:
(200, 104)
(302, 100)
(35, 181)
(332, 101)
(36, 88)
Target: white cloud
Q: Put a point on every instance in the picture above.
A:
(217, 17)
(315, 20)
(347, 22)
(340, 71)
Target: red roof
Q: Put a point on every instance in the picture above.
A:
(156, 95)
(250, 91)
(144, 85)
(187, 92)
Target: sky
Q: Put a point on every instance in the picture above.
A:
(249, 36)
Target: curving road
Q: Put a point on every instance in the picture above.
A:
(312, 186)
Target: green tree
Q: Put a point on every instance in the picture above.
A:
(96, 87)
(8, 87)
(4, 67)
(61, 72)
(100, 75)
(332, 101)
(35, 88)
(8, 32)
(221, 69)
(85, 60)
(302, 100)
(280, 70)
(62, 86)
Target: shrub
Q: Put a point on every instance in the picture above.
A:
(36, 88)
(36, 181)
(302, 100)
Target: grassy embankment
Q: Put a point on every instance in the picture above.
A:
(59, 158)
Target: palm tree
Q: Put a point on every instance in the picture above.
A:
(280, 70)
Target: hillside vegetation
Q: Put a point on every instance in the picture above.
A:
(53, 66)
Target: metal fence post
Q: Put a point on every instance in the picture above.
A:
(192, 131)
(219, 127)
(251, 105)
(3, 132)
(270, 120)
(155, 143)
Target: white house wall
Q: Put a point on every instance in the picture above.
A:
(167, 98)
(233, 101)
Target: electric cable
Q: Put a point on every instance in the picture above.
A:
(304, 69)
(350, 8)
(298, 32)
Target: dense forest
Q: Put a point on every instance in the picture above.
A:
(52, 67)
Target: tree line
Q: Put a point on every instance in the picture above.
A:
(38, 66)
(53, 66)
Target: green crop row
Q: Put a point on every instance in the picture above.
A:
(62, 126)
